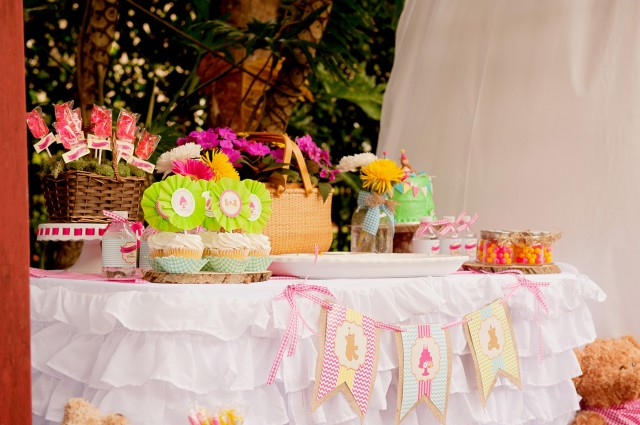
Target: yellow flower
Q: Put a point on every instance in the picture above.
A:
(221, 165)
(380, 175)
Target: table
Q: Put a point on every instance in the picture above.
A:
(150, 350)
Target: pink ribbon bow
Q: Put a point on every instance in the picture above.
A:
(291, 335)
(425, 226)
(137, 226)
(451, 225)
(467, 224)
(536, 289)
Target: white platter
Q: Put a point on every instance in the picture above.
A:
(336, 265)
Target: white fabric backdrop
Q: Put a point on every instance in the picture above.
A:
(528, 113)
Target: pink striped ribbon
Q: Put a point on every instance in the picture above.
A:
(137, 226)
(381, 325)
(291, 334)
(451, 225)
(467, 224)
(33, 272)
(536, 289)
(424, 226)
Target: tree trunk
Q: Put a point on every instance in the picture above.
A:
(94, 46)
(234, 98)
(293, 75)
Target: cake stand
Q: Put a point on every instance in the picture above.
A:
(90, 260)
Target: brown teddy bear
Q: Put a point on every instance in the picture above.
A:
(610, 382)
(78, 411)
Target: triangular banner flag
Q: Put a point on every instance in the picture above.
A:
(424, 356)
(491, 339)
(399, 187)
(348, 360)
(416, 190)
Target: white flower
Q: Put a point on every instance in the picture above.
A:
(180, 153)
(353, 162)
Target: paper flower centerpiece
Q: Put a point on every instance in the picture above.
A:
(174, 204)
(226, 205)
(259, 206)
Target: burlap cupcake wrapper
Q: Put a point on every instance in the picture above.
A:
(258, 264)
(224, 265)
(180, 264)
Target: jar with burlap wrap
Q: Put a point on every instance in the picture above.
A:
(372, 224)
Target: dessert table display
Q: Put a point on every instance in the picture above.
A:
(150, 351)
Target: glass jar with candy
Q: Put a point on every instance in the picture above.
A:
(528, 248)
(495, 247)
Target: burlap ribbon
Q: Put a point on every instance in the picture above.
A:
(375, 203)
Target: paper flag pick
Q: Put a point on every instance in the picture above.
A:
(259, 206)
(348, 361)
(178, 199)
(153, 212)
(492, 344)
(424, 356)
(227, 202)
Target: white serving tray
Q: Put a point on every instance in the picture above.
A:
(336, 265)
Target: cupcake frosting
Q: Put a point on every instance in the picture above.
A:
(225, 240)
(258, 241)
(165, 240)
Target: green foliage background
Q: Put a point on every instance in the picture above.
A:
(152, 73)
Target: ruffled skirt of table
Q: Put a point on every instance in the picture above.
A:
(136, 352)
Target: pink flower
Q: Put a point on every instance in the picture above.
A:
(193, 168)
(278, 154)
(255, 148)
(331, 175)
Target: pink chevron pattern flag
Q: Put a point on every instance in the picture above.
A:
(348, 361)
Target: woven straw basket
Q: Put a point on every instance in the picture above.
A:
(79, 196)
(299, 217)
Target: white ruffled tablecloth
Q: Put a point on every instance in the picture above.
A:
(150, 351)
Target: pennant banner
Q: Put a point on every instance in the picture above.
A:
(348, 361)
(424, 357)
(492, 343)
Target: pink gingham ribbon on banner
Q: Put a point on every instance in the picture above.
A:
(291, 334)
(137, 226)
(467, 224)
(535, 289)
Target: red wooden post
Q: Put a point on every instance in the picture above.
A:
(15, 362)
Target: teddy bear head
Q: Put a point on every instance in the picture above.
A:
(610, 372)
(78, 411)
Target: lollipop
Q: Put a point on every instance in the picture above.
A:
(39, 130)
(146, 145)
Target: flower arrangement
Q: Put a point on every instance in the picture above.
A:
(372, 223)
(229, 154)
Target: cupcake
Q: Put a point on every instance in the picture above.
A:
(167, 244)
(176, 252)
(259, 251)
(226, 252)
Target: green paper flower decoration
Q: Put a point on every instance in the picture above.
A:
(227, 203)
(259, 206)
(209, 220)
(179, 200)
(153, 212)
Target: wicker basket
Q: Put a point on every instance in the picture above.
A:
(79, 196)
(299, 217)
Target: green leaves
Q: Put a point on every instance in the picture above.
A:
(361, 89)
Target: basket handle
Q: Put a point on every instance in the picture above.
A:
(290, 148)
(114, 156)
